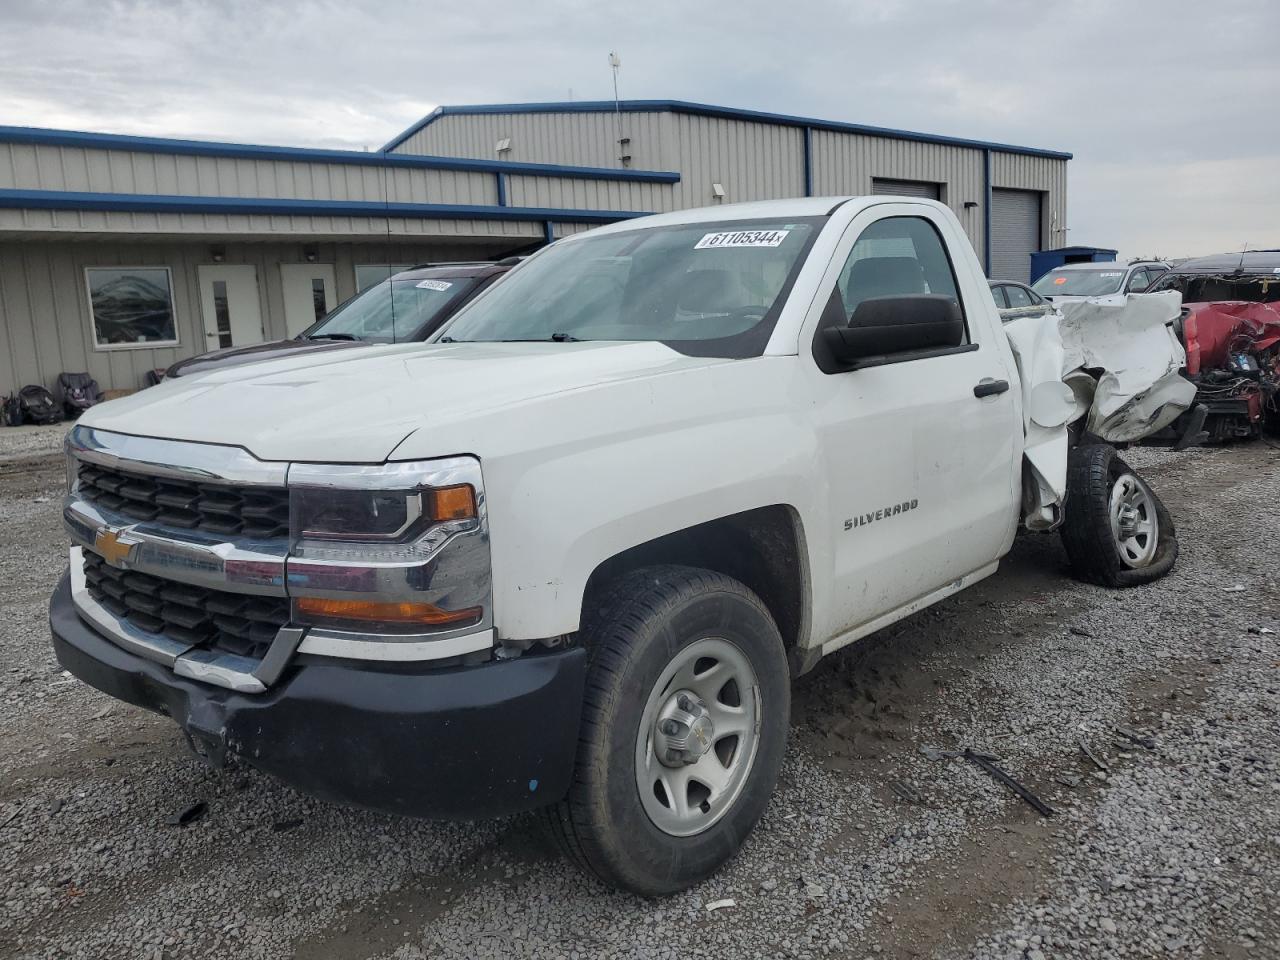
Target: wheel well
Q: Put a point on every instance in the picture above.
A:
(763, 548)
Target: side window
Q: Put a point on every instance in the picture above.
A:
(895, 257)
(998, 294)
(1017, 296)
(1138, 281)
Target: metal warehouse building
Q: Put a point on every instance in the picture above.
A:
(222, 243)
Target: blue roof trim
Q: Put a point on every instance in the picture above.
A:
(165, 203)
(709, 110)
(250, 151)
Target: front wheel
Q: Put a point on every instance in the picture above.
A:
(684, 728)
(1116, 531)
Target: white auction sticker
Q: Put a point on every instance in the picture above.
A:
(434, 284)
(742, 238)
(1110, 273)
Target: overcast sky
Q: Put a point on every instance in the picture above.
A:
(1169, 107)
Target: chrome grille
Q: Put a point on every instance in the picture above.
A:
(231, 622)
(256, 512)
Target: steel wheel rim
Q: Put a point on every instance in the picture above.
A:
(684, 799)
(1135, 529)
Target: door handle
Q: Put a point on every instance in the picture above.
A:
(989, 388)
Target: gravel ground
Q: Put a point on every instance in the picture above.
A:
(871, 848)
(23, 442)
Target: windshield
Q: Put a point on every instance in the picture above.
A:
(393, 311)
(1079, 283)
(1204, 289)
(710, 289)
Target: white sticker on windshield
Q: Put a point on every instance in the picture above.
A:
(742, 238)
(1111, 273)
(433, 284)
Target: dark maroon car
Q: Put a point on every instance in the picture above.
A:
(409, 306)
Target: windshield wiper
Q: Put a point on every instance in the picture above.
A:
(332, 336)
(554, 338)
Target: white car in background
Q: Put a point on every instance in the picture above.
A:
(1099, 279)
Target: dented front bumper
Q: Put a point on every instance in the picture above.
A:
(450, 743)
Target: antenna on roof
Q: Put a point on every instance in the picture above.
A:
(624, 156)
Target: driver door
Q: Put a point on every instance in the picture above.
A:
(922, 473)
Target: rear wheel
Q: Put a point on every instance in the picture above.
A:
(1116, 531)
(684, 727)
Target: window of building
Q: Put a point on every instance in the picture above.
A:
(367, 274)
(131, 307)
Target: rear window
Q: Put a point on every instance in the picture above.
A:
(1080, 283)
(393, 311)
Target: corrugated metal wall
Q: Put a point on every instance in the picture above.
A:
(846, 163)
(580, 139)
(15, 223)
(42, 167)
(44, 306)
(751, 160)
(572, 194)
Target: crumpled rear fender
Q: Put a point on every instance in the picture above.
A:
(1114, 362)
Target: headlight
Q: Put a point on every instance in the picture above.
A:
(396, 548)
(377, 515)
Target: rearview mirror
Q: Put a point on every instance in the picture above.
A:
(883, 326)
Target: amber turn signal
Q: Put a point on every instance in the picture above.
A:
(385, 612)
(453, 503)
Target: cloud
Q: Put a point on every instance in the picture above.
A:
(1165, 105)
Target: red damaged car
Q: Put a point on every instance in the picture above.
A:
(1230, 327)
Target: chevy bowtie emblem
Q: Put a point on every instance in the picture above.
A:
(113, 547)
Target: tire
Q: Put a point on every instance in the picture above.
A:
(1099, 485)
(650, 623)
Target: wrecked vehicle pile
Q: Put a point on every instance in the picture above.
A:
(1230, 327)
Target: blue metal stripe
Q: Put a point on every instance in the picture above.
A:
(501, 179)
(249, 151)
(808, 161)
(162, 203)
(986, 211)
(709, 110)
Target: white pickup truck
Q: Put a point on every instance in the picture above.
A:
(571, 554)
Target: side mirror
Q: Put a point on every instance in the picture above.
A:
(884, 326)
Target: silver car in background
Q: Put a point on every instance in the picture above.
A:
(1099, 279)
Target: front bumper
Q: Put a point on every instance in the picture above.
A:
(451, 743)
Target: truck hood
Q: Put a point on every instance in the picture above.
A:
(358, 409)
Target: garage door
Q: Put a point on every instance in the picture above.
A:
(906, 188)
(1015, 233)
